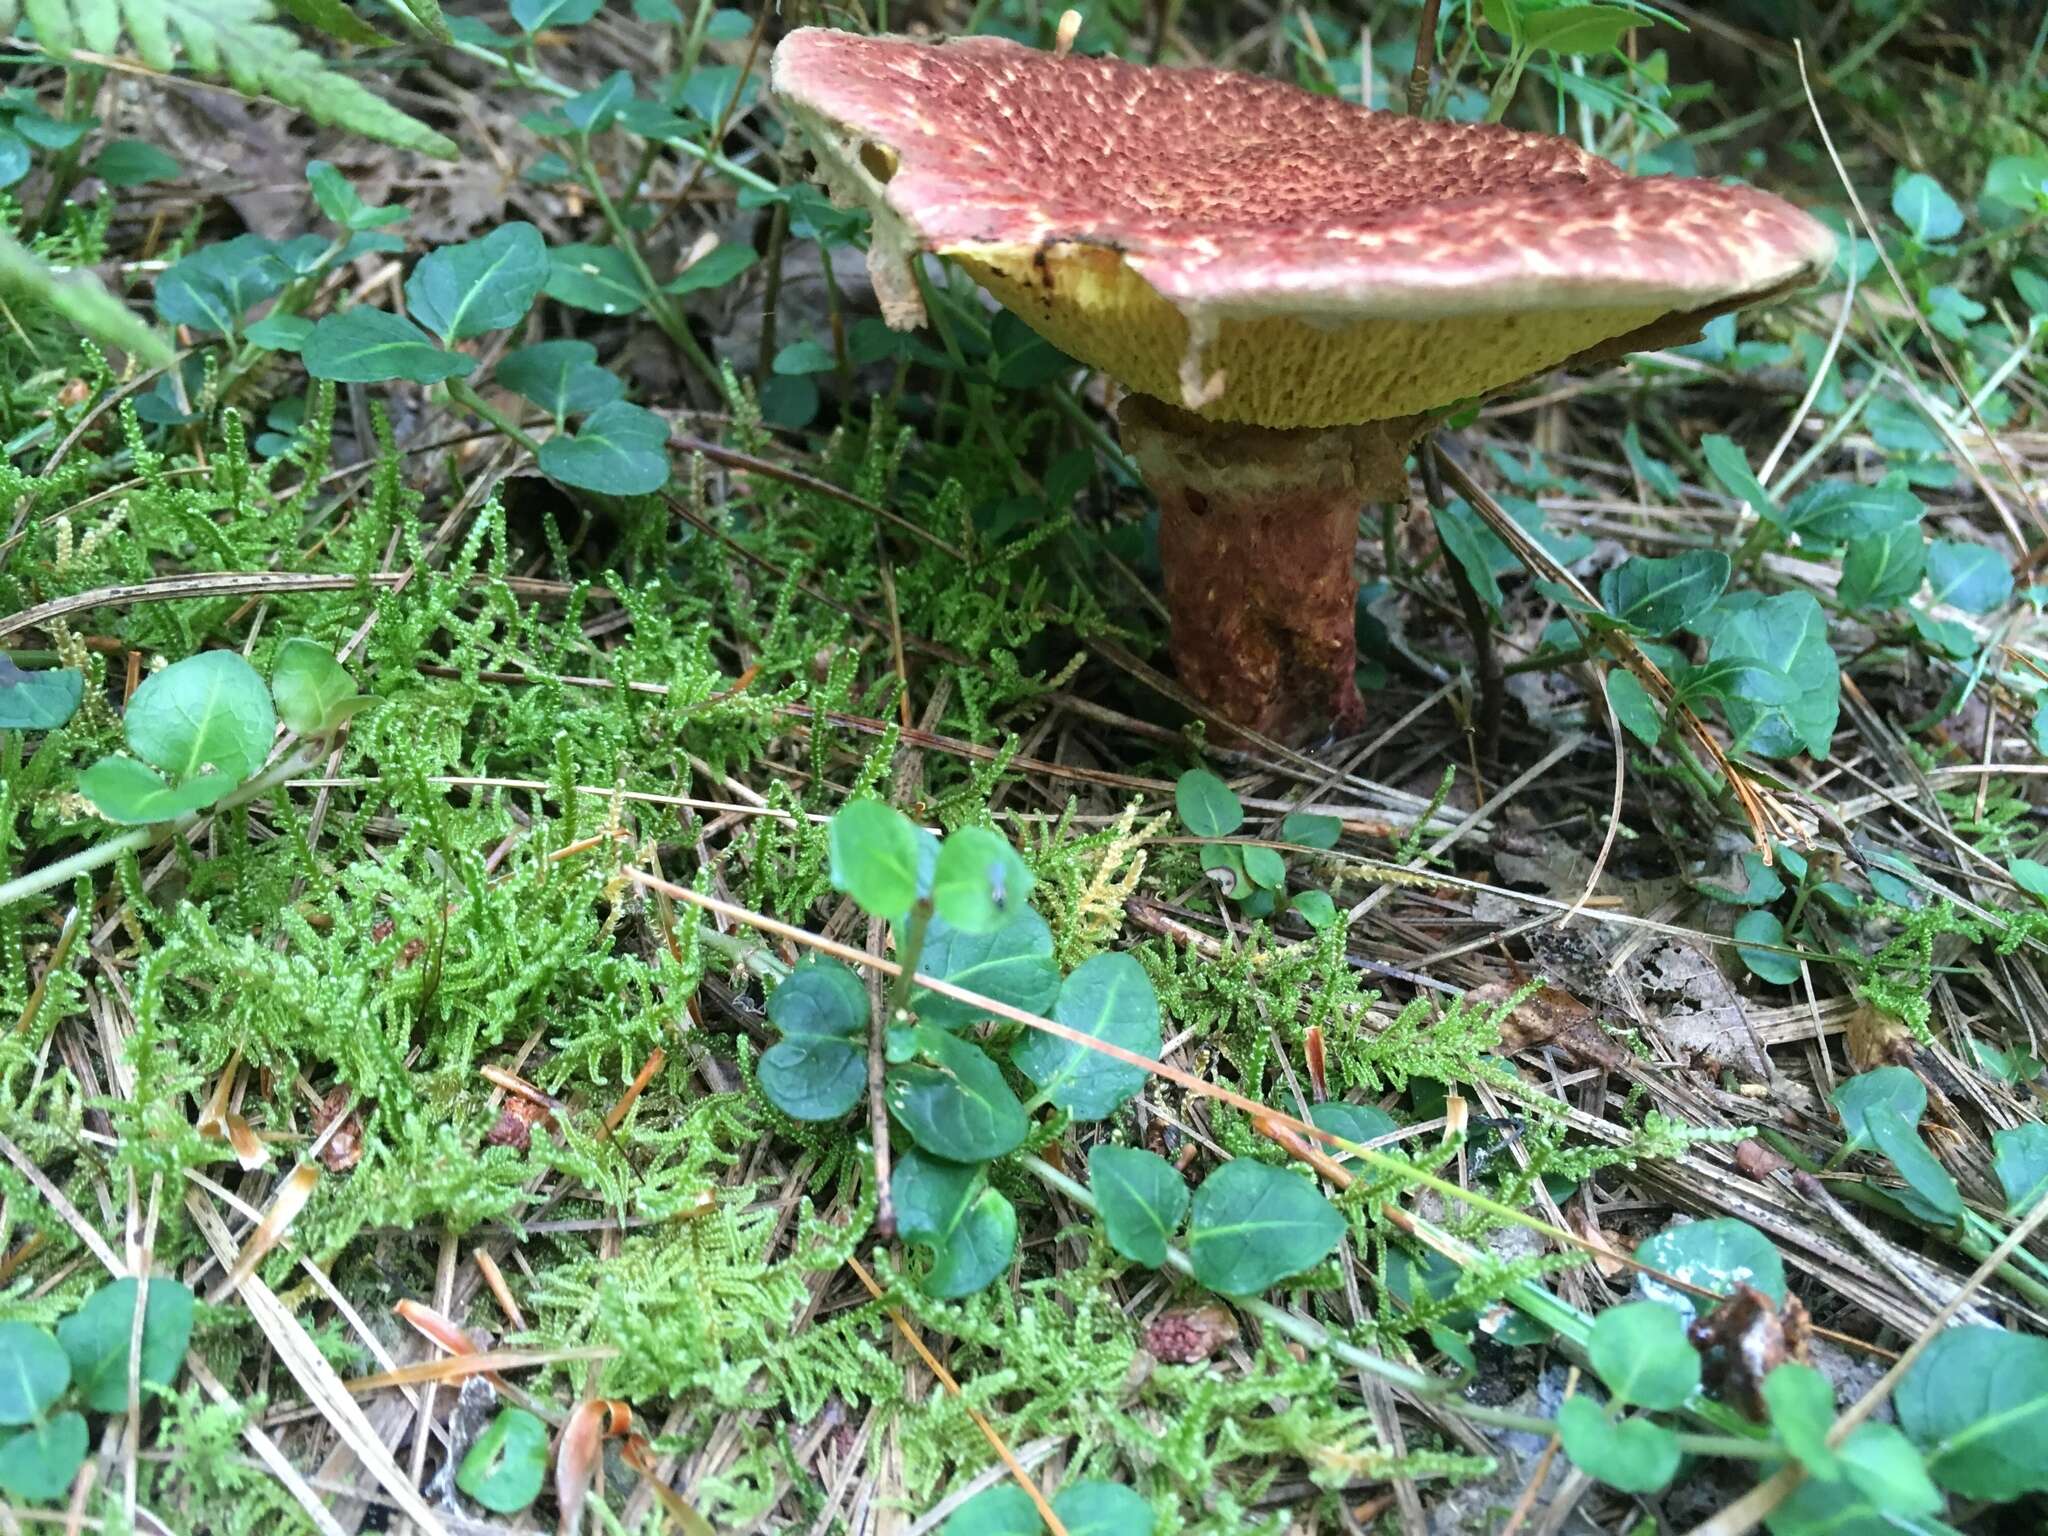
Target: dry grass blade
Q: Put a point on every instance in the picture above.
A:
(945, 1377)
(300, 1356)
(293, 1191)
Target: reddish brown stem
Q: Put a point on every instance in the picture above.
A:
(1257, 530)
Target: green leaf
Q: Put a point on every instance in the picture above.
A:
(1717, 1255)
(38, 701)
(1976, 1403)
(39, 1463)
(1882, 1109)
(1141, 1198)
(1109, 997)
(818, 1070)
(970, 1228)
(813, 1079)
(15, 157)
(1640, 1350)
(235, 40)
(80, 299)
(1883, 1466)
(335, 19)
(1633, 706)
(1817, 1508)
(620, 450)
(279, 332)
(482, 285)
(1004, 1510)
(532, 15)
(1730, 466)
(1888, 1095)
(1265, 867)
(1972, 577)
(1315, 907)
(600, 278)
(598, 108)
(820, 1000)
(207, 713)
(338, 200)
(980, 884)
(2020, 1159)
(1255, 1225)
(1580, 28)
(1925, 208)
(96, 1337)
(211, 289)
(507, 1464)
(1633, 1455)
(1358, 1123)
(1785, 636)
(134, 163)
(34, 1371)
(369, 346)
(1093, 1507)
(714, 269)
(1761, 884)
(2015, 187)
(561, 377)
(1756, 928)
(1206, 805)
(1012, 965)
(1309, 830)
(874, 858)
(1882, 570)
(955, 1103)
(1658, 596)
(313, 691)
(805, 356)
(132, 794)
(1801, 1403)
(1836, 511)
(2030, 875)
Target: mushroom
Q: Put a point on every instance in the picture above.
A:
(1291, 288)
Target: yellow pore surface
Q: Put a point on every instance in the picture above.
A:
(1278, 371)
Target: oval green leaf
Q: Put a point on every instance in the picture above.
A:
(504, 1469)
(1255, 1225)
(40, 1462)
(954, 1102)
(874, 857)
(980, 884)
(1012, 965)
(1976, 1403)
(481, 285)
(370, 346)
(1141, 1198)
(1108, 997)
(1640, 1350)
(1633, 1455)
(95, 1339)
(207, 714)
(1206, 804)
(620, 450)
(34, 1371)
(1093, 1507)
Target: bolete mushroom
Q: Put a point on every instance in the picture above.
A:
(1291, 287)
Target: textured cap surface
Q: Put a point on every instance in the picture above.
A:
(1154, 212)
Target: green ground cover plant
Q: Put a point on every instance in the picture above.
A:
(613, 920)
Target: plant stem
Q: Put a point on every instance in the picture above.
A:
(672, 325)
(894, 1011)
(86, 859)
(463, 394)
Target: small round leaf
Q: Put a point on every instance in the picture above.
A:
(507, 1464)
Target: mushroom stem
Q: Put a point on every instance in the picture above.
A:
(1257, 531)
